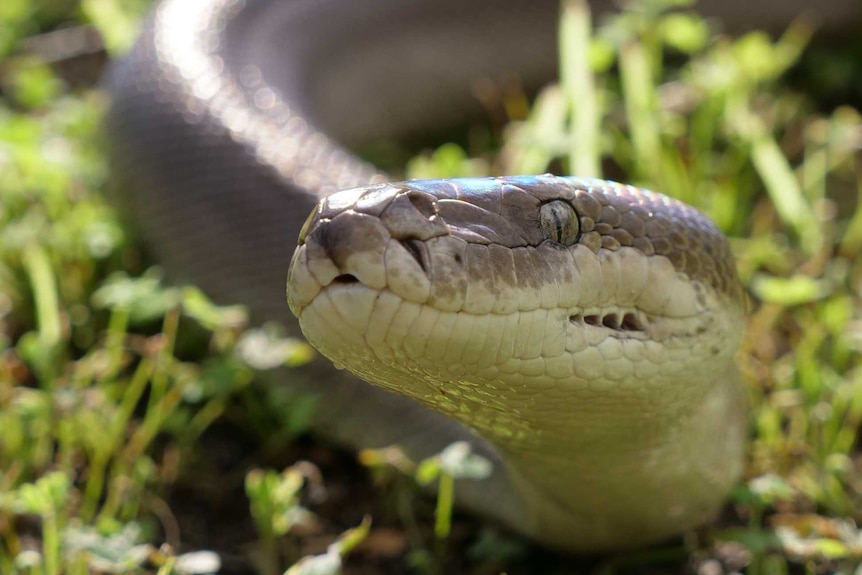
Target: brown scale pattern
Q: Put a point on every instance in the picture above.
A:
(504, 211)
(614, 215)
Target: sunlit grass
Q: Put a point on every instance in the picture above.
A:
(102, 403)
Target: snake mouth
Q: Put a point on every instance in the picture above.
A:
(352, 290)
(448, 255)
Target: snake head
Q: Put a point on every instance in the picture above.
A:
(586, 329)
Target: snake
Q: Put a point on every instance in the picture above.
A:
(577, 333)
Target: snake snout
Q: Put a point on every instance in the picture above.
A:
(374, 237)
(366, 238)
(348, 249)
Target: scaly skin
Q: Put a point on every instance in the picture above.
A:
(602, 372)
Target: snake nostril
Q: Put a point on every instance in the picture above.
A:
(416, 248)
(426, 204)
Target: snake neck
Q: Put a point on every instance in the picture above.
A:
(638, 481)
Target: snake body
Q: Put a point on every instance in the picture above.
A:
(613, 417)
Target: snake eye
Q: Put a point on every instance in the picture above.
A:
(560, 222)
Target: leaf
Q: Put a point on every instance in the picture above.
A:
(791, 291)
(458, 461)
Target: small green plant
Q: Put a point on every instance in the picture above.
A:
(330, 563)
(276, 508)
(46, 498)
(455, 462)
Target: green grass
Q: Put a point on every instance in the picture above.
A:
(109, 379)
